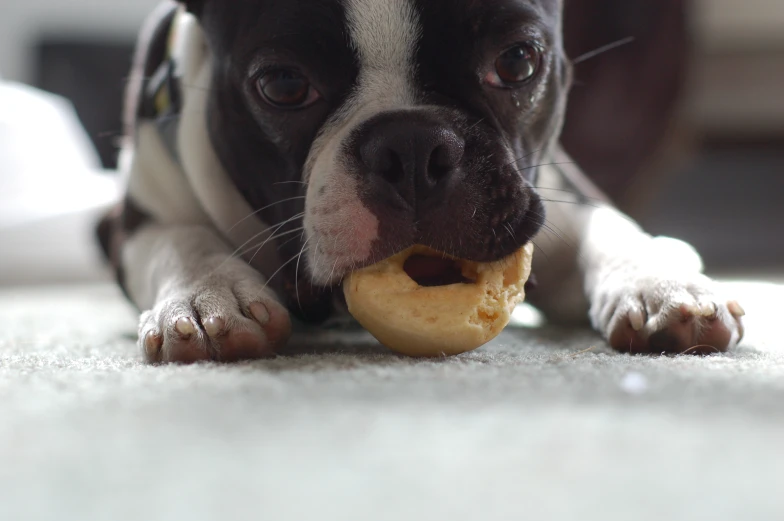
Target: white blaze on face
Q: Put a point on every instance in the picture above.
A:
(340, 230)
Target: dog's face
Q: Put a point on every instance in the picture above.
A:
(400, 121)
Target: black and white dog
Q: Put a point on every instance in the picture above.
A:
(279, 144)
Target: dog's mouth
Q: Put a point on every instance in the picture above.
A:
(431, 271)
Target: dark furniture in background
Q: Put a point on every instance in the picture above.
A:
(619, 107)
(624, 100)
(725, 201)
(92, 75)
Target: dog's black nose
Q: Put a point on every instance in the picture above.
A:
(412, 153)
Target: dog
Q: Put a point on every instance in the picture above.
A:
(276, 146)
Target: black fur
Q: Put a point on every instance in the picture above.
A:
(489, 209)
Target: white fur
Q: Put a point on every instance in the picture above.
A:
(593, 251)
(186, 272)
(158, 185)
(200, 191)
(216, 193)
(385, 35)
(627, 276)
(182, 267)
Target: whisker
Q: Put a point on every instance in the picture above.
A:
(603, 49)
(520, 170)
(577, 203)
(539, 248)
(526, 156)
(238, 250)
(265, 208)
(472, 127)
(335, 265)
(337, 238)
(715, 350)
(274, 229)
(266, 241)
(316, 258)
(296, 274)
(601, 206)
(292, 259)
(287, 241)
(557, 233)
(565, 191)
(547, 229)
(548, 225)
(272, 238)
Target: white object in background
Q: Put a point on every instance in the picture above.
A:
(52, 190)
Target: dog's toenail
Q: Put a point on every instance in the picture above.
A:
(708, 309)
(152, 344)
(688, 311)
(736, 309)
(636, 320)
(214, 326)
(185, 327)
(260, 313)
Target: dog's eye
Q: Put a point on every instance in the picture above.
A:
(286, 89)
(516, 65)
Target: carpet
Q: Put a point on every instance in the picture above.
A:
(544, 423)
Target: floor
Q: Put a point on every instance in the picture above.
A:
(541, 424)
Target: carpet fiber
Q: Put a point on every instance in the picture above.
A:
(542, 424)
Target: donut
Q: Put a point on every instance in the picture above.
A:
(424, 303)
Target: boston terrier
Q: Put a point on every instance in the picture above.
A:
(276, 145)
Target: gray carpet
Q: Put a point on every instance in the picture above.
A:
(535, 426)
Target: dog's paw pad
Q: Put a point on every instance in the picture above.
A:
(237, 345)
(670, 317)
(215, 323)
(275, 320)
(184, 350)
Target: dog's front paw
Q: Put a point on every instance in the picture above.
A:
(661, 314)
(217, 319)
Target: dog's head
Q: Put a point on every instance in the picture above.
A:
(399, 121)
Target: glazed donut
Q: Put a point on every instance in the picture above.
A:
(423, 303)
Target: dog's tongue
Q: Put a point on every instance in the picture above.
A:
(434, 271)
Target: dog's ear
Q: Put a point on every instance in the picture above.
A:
(194, 6)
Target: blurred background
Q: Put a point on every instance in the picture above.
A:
(683, 127)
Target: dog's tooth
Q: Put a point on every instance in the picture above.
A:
(736, 309)
(214, 326)
(185, 327)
